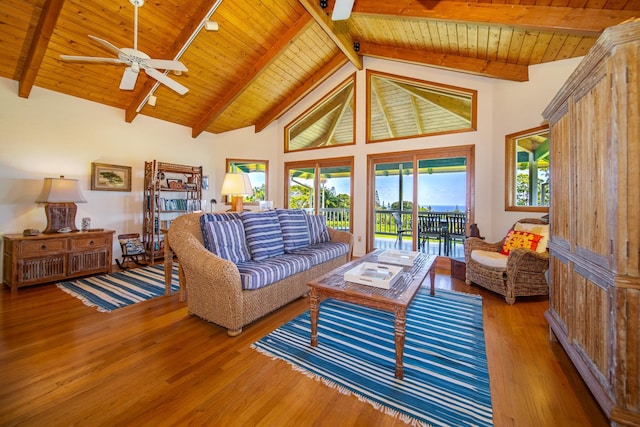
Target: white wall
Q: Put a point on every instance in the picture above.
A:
(50, 134)
(517, 107)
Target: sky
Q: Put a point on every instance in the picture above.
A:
(438, 189)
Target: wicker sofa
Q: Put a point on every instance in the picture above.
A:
(518, 274)
(217, 292)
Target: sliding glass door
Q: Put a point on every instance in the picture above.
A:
(421, 200)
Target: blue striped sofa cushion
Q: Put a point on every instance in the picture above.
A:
(256, 275)
(295, 233)
(322, 252)
(317, 225)
(222, 216)
(264, 236)
(227, 240)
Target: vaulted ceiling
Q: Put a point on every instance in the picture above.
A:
(269, 54)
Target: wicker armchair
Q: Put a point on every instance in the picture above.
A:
(524, 274)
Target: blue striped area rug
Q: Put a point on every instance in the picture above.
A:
(108, 292)
(446, 381)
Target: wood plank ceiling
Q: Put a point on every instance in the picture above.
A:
(268, 54)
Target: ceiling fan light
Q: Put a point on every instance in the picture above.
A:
(177, 72)
(342, 10)
(211, 26)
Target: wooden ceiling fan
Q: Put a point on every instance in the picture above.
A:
(136, 60)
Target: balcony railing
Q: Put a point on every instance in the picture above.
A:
(447, 229)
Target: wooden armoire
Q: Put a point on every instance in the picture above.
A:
(594, 300)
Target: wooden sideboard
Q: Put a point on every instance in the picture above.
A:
(594, 296)
(53, 257)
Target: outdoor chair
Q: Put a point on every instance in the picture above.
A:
(400, 230)
(429, 229)
(518, 274)
(132, 248)
(456, 224)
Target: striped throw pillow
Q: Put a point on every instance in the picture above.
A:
(227, 240)
(208, 217)
(318, 232)
(295, 233)
(264, 235)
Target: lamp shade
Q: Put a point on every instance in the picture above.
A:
(236, 183)
(60, 190)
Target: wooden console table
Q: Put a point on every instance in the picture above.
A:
(47, 258)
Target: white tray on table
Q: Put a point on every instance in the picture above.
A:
(374, 274)
(395, 256)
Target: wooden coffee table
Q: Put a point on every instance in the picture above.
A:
(396, 299)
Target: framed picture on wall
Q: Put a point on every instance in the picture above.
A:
(107, 177)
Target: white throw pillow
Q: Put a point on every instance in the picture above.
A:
(541, 229)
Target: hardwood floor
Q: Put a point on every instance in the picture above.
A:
(63, 363)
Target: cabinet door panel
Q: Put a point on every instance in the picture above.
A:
(561, 180)
(592, 225)
(38, 270)
(88, 262)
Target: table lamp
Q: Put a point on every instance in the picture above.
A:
(236, 185)
(60, 196)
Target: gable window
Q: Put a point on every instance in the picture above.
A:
(527, 170)
(400, 108)
(328, 123)
(258, 175)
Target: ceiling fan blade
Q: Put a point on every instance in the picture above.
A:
(342, 10)
(129, 79)
(91, 59)
(106, 44)
(166, 64)
(172, 84)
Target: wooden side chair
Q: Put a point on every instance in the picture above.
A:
(132, 249)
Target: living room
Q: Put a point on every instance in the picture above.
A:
(154, 363)
(51, 134)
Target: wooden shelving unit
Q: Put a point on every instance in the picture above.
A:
(170, 190)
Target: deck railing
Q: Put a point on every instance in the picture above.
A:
(385, 223)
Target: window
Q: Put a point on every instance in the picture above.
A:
(322, 187)
(328, 123)
(258, 175)
(527, 170)
(400, 108)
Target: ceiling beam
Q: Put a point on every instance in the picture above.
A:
(232, 93)
(197, 16)
(482, 67)
(578, 20)
(41, 36)
(311, 83)
(338, 31)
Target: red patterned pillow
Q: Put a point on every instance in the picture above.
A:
(520, 239)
